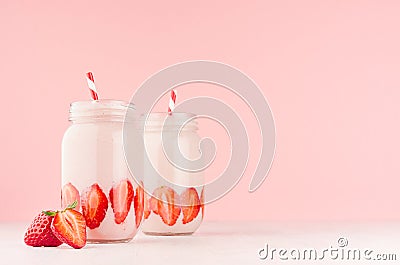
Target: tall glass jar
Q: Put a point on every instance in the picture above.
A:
(95, 172)
(173, 195)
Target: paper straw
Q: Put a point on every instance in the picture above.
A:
(92, 86)
(172, 101)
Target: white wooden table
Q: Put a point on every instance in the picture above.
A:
(214, 243)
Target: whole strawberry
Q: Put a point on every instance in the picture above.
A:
(39, 233)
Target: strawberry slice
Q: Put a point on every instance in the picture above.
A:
(139, 204)
(153, 204)
(69, 194)
(69, 227)
(166, 201)
(147, 208)
(202, 202)
(94, 206)
(121, 196)
(190, 205)
(39, 233)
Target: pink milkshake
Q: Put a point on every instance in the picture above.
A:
(95, 173)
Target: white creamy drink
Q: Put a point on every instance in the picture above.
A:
(172, 209)
(95, 173)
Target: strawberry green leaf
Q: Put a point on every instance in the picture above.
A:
(49, 213)
(72, 205)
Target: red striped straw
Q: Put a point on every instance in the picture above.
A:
(172, 101)
(92, 87)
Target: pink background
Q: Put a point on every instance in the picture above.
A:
(329, 69)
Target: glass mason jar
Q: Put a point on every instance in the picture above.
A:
(95, 172)
(174, 196)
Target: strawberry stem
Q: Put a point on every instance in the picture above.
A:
(49, 213)
(72, 205)
(53, 213)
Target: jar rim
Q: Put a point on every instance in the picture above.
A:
(99, 109)
(179, 119)
(162, 115)
(100, 104)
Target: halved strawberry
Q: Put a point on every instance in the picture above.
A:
(167, 202)
(69, 227)
(190, 205)
(69, 194)
(94, 206)
(39, 233)
(139, 204)
(121, 196)
(202, 203)
(146, 204)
